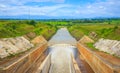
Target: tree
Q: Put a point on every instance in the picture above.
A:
(32, 22)
(115, 27)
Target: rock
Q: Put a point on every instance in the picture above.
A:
(3, 53)
(86, 39)
(93, 34)
(16, 45)
(38, 40)
(109, 46)
(31, 35)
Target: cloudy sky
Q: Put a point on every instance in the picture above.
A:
(45, 9)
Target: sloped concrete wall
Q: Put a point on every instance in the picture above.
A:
(27, 63)
(74, 66)
(45, 66)
(97, 63)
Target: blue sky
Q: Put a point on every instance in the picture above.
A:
(45, 9)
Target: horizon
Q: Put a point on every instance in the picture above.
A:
(99, 18)
(60, 9)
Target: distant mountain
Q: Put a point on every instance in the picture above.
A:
(25, 17)
(49, 17)
(36, 17)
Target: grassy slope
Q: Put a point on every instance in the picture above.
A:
(102, 31)
(13, 28)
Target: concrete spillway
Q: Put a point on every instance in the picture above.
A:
(61, 51)
(61, 58)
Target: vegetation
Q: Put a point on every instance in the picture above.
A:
(90, 45)
(101, 31)
(103, 28)
(13, 28)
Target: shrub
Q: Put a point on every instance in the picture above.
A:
(32, 22)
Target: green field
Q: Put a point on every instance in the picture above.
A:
(102, 28)
(105, 29)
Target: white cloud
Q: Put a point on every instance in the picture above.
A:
(22, 2)
(9, 2)
(98, 9)
(55, 1)
(2, 6)
(32, 10)
(108, 8)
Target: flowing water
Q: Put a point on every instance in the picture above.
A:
(61, 47)
(62, 37)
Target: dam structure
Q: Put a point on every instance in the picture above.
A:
(62, 51)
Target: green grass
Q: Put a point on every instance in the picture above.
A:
(14, 28)
(103, 31)
(91, 46)
(104, 28)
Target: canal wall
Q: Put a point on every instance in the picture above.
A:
(30, 61)
(99, 62)
(45, 66)
(74, 66)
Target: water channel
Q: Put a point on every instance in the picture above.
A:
(61, 46)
